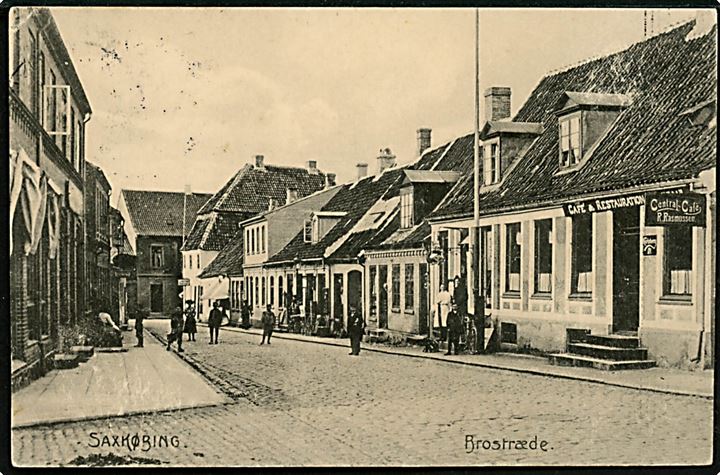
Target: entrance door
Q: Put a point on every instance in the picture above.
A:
(355, 289)
(423, 289)
(156, 298)
(337, 296)
(626, 269)
(383, 317)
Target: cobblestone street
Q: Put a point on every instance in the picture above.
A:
(306, 404)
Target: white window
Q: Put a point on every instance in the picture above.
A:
(582, 244)
(543, 256)
(56, 108)
(308, 231)
(406, 209)
(512, 257)
(157, 256)
(491, 165)
(570, 147)
(677, 262)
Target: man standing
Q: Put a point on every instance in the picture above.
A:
(139, 318)
(454, 326)
(268, 322)
(356, 328)
(443, 300)
(214, 321)
(176, 329)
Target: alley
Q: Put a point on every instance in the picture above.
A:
(305, 404)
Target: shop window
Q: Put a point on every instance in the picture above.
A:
(677, 263)
(409, 286)
(570, 146)
(396, 287)
(582, 245)
(373, 290)
(543, 256)
(512, 257)
(406, 208)
(157, 256)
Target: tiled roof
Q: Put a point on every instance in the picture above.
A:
(160, 213)
(229, 261)
(501, 126)
(212, 232)
(648, 143)
(598, 99)
(251, 188)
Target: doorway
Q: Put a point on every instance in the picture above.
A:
(626, 269)
(156, 298)
(383, 303)
(354, 283)
(337, 296)
(423, 288)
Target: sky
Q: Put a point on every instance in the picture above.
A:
(189, 95)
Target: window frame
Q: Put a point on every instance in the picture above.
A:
(543, 226)
(579, 253)
(307, 230)
(407, 205)
(566, 146)
(409, 303)
(511, 258)
(395, 286)
(153, 248)
(668, 246)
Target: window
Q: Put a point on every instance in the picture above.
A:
(272, 290)
(262, 239)
(409, 286)
(570, 148)
(72, 154)
(491, 166)
(512, 257)
(581, 277)
(307, 231)
(50, 119)
(406, 208)
(200, 299)
(396, 286)
(40, 84)
(33, 73)
(257, 291)
(157, 257)
(197, 261)
(373, 290)
(190, 261)
(677, 262)
(281, 293)
(543, 256)
(263, 292)
(486, 243)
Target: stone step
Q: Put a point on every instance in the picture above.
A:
(66, 360)
(616, 341)
(608, 352)
(567, 359)
(83, 352)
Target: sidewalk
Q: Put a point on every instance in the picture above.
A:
(111, 384)
(662, 380)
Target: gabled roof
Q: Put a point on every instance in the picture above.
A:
(229, 261)
(648, 143)
(160, 213)
(245, 195)
(593, 99)
(98, 174)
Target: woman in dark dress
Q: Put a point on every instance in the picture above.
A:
(190, 324)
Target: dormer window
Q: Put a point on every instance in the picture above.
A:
(503, 143)
(406, 208)
(570, 140)
(308, 231)
(492, 167)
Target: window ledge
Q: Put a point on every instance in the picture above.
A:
(395, 309)
(676, 300)
(511, 294)
(541, 296)
(581, 297)
(409, 311)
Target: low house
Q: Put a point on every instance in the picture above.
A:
(154, 226)
(597, 216)
(223, 278)
(252, 190)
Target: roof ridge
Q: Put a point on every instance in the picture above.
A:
(235, 179)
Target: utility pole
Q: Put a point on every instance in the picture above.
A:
(474, 287)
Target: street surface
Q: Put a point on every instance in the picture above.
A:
(297, 403)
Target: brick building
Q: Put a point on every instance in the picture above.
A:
(48, 112)
(154, 227)
(99, 286)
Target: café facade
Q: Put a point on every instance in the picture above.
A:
(594, 221)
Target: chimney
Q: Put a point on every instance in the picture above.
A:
(497, 103)
(329, 180)
(362, 169)
(292, 195)
(424, 140)
(271, 204)
(260, 161)
(385, 159)
(311, 166)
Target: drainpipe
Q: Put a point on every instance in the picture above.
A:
(707, 182)
(81, 162)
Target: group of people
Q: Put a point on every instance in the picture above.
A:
(453, 306)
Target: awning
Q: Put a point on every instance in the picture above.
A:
(218, 290)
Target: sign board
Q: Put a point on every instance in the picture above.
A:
(649, 245)
(602, 204)
(183, 282)
(670, 209)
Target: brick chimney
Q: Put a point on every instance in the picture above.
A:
(385, 159)
(424, 140)
(362, 169)
(497, 103)
(329, 180)
(311, 166)
(292, 195)
(260, 161)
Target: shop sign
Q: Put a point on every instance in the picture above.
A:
(669, 209)
(183, 282)
(649, 245)
(603, 204)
